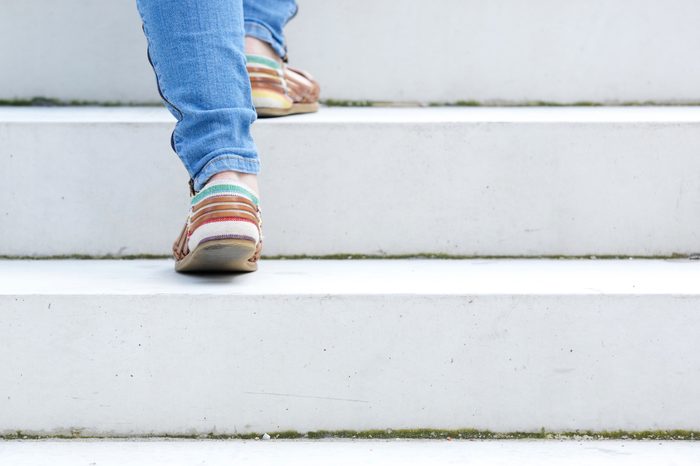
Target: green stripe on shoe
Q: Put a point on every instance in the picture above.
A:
(260, 60)
(224, 188)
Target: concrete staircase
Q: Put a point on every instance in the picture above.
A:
(446, 181)
(473, 306)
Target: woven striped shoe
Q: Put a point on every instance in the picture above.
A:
(223, 232)
(280, 90)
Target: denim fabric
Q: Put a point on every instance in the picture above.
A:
(197, 51)
(265, 20)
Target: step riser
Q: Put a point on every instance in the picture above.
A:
(439, 51)
(141, 364)
(434, 185)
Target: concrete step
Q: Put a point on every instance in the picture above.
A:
(350, 453)
(455, 181)
(131, 348)
(445, 50)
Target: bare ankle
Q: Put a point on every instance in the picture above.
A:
(255, 46)
(248, 179)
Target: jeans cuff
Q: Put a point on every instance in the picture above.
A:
(259, 31)
(225, 162)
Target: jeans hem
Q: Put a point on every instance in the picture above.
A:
(264, 34)
(225, 162)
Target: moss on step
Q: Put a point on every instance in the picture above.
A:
(474, 257)
(540, 103)
(371, 103)
(506, 103)
(348, 103)
(353, 256)
(545, 103)
(424, 434)
(51, 102)
(458, 103)
(85, 257)
(475, 434)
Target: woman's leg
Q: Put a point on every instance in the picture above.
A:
(196, 48)
(277, 89)
(197, 51)
(264, 25)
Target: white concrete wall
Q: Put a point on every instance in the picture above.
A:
(439, 50)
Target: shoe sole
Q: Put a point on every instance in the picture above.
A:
(223, 255)
(295, 109)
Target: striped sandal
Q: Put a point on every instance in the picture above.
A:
(223, 232)
(280, 90)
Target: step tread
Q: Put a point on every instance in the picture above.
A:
(641, 114)
(345, 452)
(358, 277)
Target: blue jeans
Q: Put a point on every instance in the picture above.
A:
(196, 48)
